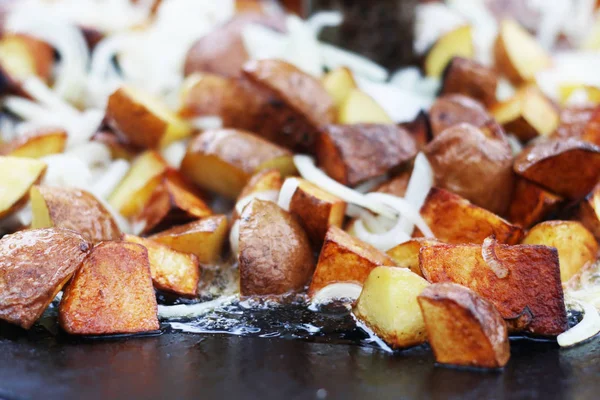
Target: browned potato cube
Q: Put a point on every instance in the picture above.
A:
(407, 254)
(171, 270)
(576, 245)
(473, 166)
(591, 131)
(352, 154)
(111, 293)
(21, 57)
(462, 328)
(118, 148)
(17, 175)
(468, 77)
(573, 121)
(274, 251)
(37, 144)
(589, 212)
(204, 238)
(531, 204)
(453, 219)
(360, 108)
(35, 264)
(339, 84)
(522, 281)
(266, 180)
(74, 209)
(456, 43)
(452, 109)
(396, 185)
(567, 167)
(419, 128)
(345, 258)
(224, 160)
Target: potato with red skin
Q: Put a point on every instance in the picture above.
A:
(531, 204)
(573, 121)
(35, 264)
(275, 256)
(452, 109)
(591, 131)
(419, 128)
(472, 79)
(396, 186)
(36, 144)
(352, 154)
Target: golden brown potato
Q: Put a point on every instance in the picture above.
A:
(567, 167)
(352, 154)
(531, 204)
(453, 109)
(171, 271)
(339, 83)
(274, 251)
(591, 131)
(223, 160)
(453, 219)
(37, 144)
(266, 180)
(473, 166)
(519, 280)
(462, 328)
(345, 258)
(573, 121)
(118, 148)
(528, 114)
(406, 254)
(34, 266)
(204, 238)
(316, 210)
(469, 78)
(173, 202)
(295, 104)
(21, 57)
(136, 188)
(575, 244)
(111, 293)
(74, 209)
(388, 305)
(143, 120)
(419, 128)
(17, 175)
(589, 211)
(360, 108)
(517, 55)
(456, 43)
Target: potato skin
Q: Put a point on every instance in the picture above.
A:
(573, 121)
(275, 254)
(352, 154)
(452, 109)
(419, 128)
(111, 293)
(531, 204)
(18, 175)
(469, 78)
(34, 266)
(462, 328)
(473, 166)
(36, 144)
(589, 212)
(406, 254)
(567, 167)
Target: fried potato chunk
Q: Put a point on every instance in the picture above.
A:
(522, 281)
(35, 264)
(267, 180)
(567, 167)
(573, 121)
(74, 209)
(345, 258)
(407, 254)
(591, 131)
(21, 57)
(462, 328)
(111, 293)
(531, 204)
(575, 244)
(275, 256)
(589, 211)
(360, 108)
(223, 160)
(419, 128)
(455, 220)
(37, 144)
(339, 83)
(171, 271)
(352, 154)
(118, 148)
(388, 306)
(452, 109)
(17, 175)
(204, 238)
(469, 78)
(458, 42)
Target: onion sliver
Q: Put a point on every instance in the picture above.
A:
(488, 254)
(287, 191)
(234, 238)
(587, 328)
(419, 185)
(337, 291)
(405, 209)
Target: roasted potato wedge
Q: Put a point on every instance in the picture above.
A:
(396, 185)
(453, 219)
(136, 188)
(462, 328)
(345, 258)
(528, 114)
(573, 121)
(352, 154)
(517, 55)
(118, 148)
(575, 244)
(34, 266)
(567, 167)
(143, 120)
(21, 57)
(171, 271)
(523, 282)
(37, 144)
(295, 104)
(406, 254)
(531, 204)
(360, 108)
(267, 180)
(316, 210)
(17, 175)
(339, 83)
(204, 238)
(388, 305)
(111, 293)
(469, 78)
(223, 160)
(589, 211)
(453, 109)
(73, 209)
(591, 131)
(274, 251)
(456, 43)
(419, 128)
(473, 166)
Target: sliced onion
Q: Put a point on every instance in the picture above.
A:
(303, 49)
(234, 238)
(337, 291)
(382, 241)
(174, 153)
(193, 310)
(419, 185)
(405, 209)
(287, 191)
(110, 179)
(587, 328)
(491, 259)
(42, 93)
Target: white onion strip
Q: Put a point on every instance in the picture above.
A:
(234, 238)
(587, 328)
(336, 291)
(405, 209)
(491, 259)
(287, 191)
(419, 185)
(193, 310)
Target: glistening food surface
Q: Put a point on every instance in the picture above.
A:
(157, 179)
